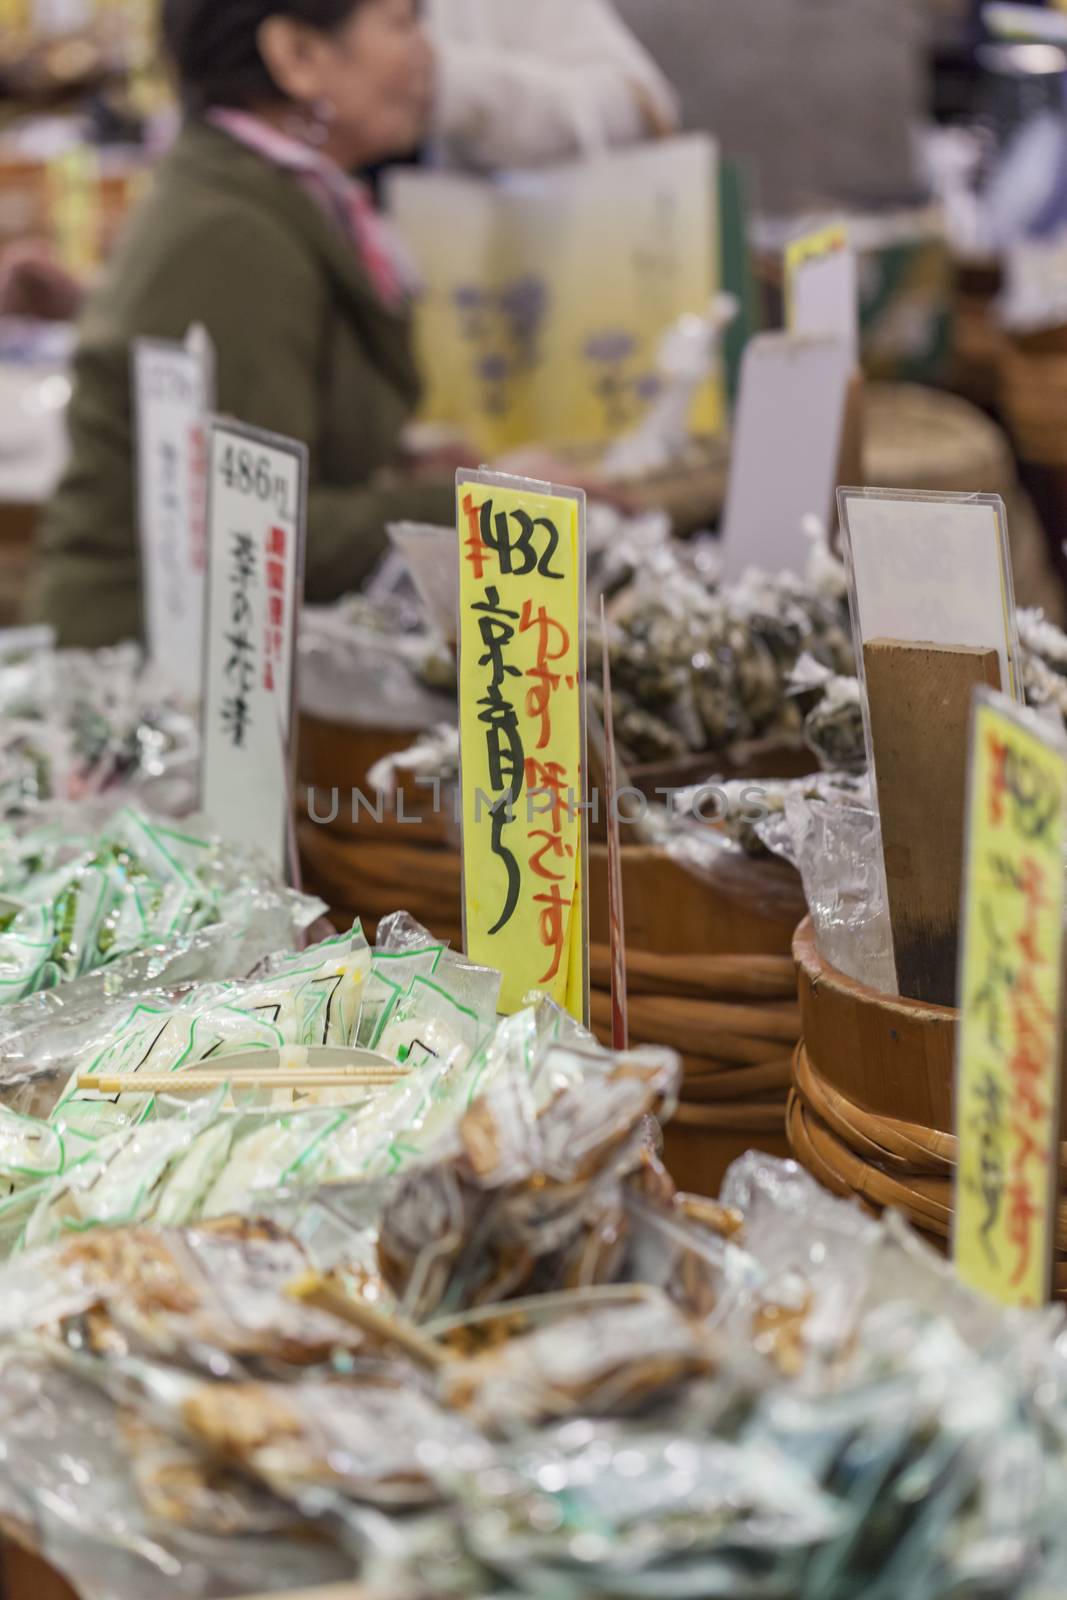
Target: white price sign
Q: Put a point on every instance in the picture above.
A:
(257, 494)
(173, 386)
(787, 447)
(1035, 284)
(930, 569)
(822, 287)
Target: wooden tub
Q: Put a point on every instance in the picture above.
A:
(872, 1110)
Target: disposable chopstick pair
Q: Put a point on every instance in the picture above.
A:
(201, 1082)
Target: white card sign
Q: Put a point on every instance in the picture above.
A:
(1035, 284)
(930, 569)
(822, 286)
(257, 492)
(173, 390)
(787, 449)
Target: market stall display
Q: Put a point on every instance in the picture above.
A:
(335, 1262)
(722, 1413)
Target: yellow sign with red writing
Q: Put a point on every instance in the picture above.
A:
(1009, 1042)
(522, 736)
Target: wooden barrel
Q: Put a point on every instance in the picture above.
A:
(710, 975)
(977, 337)
(871, 1115)
(17, 528)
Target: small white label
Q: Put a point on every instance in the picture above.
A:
(822, 283)
(787, 448)
(1035, 284)
(256, 529)
(172, 385)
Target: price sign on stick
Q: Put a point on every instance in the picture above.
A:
(620, 1003)
(523, 735)
(791, 411)
(822, 287)
(930, 569)
(173, 389)
(1011, 982)
(256, 530)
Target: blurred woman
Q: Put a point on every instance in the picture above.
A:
(254, 230)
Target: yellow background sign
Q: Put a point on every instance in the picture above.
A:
(1008, 1069)
(545, 295)
(522, 737)
(76, 209)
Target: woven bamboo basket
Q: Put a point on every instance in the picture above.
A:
(709, 974)
(871, 1114)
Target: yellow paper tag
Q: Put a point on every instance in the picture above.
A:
(76, 210)
(1009, 1046)
(14, 17)
(522, 737)
(801, 253)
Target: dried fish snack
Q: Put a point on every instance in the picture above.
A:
(366, 1439)
(180, 1486)
(531, 1199)
(192, 1297)
(611, 1359)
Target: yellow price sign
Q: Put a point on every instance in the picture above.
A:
(76, 209)
(15, 18)
(522, 736)
(1009, 1043)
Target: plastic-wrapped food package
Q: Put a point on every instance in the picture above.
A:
(838, 852)
(599, 1509)
(68, 1478)
(407, 677)
(377, 1440)
(78, 723)
(601, 1356)
(522, 1202)
(213, 1298)
(120, 899)
(311, 998)
(841, 1419)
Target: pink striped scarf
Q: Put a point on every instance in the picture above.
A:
(347, 200)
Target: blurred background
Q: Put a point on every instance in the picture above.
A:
(625, 166)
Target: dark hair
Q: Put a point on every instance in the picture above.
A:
(212, 43)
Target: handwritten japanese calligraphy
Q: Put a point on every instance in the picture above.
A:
(240, 669)
(1008, 1102)
(522, 735)
(255, 536)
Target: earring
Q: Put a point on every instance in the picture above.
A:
(313, 121)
